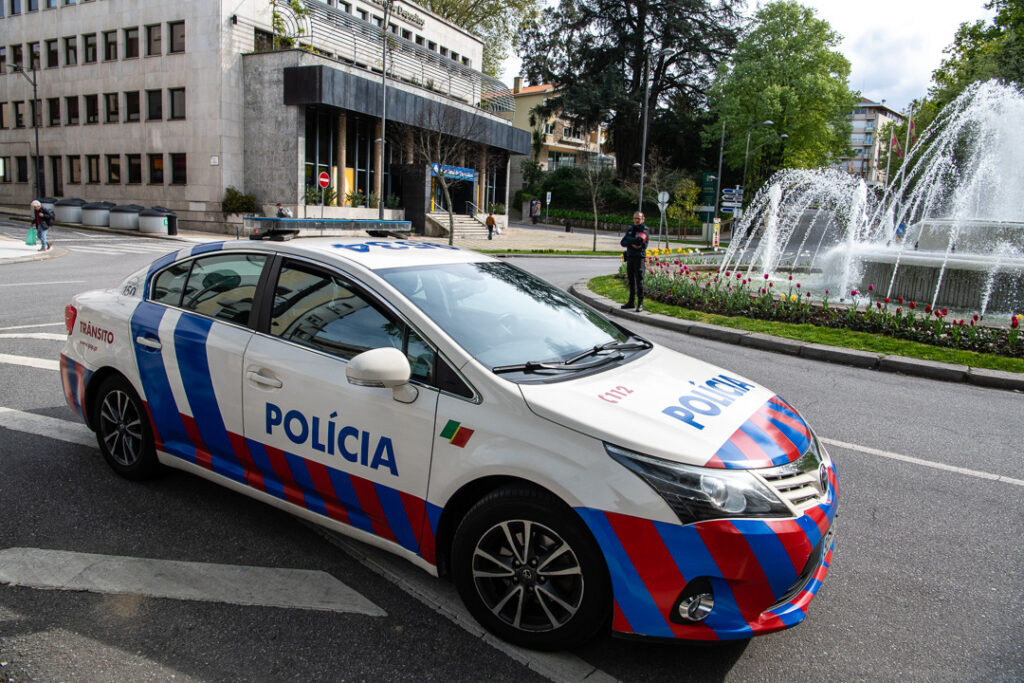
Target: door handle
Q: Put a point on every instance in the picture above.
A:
(149, 342)
(263, 380)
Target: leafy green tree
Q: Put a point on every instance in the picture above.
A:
(496, 21)
(598, 52)
(785, 69)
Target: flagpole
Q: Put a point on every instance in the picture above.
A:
(888, 155)
(910, 124)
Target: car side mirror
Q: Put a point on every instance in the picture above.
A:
(385, 367)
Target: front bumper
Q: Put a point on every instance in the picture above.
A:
(763, 573)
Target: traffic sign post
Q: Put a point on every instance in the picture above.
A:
(547, 205)
(662, 205)
(323, 180)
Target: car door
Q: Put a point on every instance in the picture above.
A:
(189, 338)
(351, 453)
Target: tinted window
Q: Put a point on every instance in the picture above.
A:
(324, 311)
(220, 286)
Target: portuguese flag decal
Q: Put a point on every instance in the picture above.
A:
(456, 434)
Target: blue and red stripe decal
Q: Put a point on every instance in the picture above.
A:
(74, 377)
(774, 435)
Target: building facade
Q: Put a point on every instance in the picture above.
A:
(869, 150)
(561, 142)
(158, 103)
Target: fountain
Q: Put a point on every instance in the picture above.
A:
(948, 231)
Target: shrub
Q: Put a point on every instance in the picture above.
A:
(393, 201)
(498, 209)
(237, 202)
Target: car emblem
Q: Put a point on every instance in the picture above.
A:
(822, 478)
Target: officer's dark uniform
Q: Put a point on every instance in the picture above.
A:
(635, 243)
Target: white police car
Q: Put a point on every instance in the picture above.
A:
(455, 410)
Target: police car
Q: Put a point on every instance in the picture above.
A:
(568, 475)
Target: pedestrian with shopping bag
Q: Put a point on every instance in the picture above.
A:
(42, 220)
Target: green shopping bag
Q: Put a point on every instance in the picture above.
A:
(30, 238)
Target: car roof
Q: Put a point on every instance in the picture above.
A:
(371, 253)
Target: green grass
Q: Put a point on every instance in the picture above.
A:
(550, 252)
(615, 288)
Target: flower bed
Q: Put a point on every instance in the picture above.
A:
(671, 280)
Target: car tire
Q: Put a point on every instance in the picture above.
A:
(529, 570)
(123, 431)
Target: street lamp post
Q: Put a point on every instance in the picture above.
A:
(746, 154)
(35, 117)
(721, 148)
(643, 147)
(383, 103)
(782, 137)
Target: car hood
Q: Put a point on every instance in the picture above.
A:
(675, 407)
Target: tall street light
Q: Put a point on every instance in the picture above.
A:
(721, 148)
(782, 137)
(383, 102)
(664, 52)
(35, 115)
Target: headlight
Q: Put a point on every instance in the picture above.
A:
(699, 493)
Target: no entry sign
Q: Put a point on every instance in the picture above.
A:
(324, 179)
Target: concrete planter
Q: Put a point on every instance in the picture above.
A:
(125, 217)
(68, 210)
(97, 214)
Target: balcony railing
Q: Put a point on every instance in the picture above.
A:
(338, 35)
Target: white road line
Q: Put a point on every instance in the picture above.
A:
(441, 597)
(224, 583)
(50, 427)
(38, 284)
(25, 327)
(926, 463)
(30, 362)
(48, 336)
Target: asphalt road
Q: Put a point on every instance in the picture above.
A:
(927, 582)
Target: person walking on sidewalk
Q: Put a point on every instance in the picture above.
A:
(42, 220)
(635, 244)
(491, 224)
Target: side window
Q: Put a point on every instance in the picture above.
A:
(222, 286)
(324, 311)
(170, 283)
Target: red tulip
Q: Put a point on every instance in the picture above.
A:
(871, 288)
(898, 309)
(913, 305)
(853, 292)
(886, 299)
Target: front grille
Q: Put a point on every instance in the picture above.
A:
(800, 482)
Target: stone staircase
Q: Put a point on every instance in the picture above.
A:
(466, 227)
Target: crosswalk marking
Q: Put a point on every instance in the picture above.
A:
(50, 427)
(30, 362)
(177, 580)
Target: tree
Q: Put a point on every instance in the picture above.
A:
(442, 137)
(597, 175)
(684, 200)
(598, 51)
(785, 70)
(496, 21)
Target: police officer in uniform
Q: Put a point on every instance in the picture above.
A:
(635, 244)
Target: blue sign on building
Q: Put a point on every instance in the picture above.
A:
(456, 172)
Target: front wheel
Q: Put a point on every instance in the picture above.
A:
(529, 571)
(123, 431)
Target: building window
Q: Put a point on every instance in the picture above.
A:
(419, 40)
(131, 106)
(444, 52)
(113, 169)
(92, 108)
(33, 5)
(407, 34)
(71, 105)
(54, 103)
(71, 50)
(22, 168)
(15, 7)
(92, 167)
(88, 48)
(34, 55)
(153, 41)
(156, 169)
(363, 14)
(5, 169)
(177, 98)
(52, 54)
(110, 106)
(3, 115)
(134, 169)
(131, 42)
(178, 169)
(37, 112)
(154, 105)
(109, 46)
(19, 115)
(432, 46)
(177, 30)
(75, 170)
(51, 4)
(3, 58)
(378, 20)
(17, 56)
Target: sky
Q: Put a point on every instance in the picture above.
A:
(893, 45)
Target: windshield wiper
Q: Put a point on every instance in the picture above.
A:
(608, 346)
(533, 366)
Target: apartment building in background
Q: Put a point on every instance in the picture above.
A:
(868, 159)
(170, 103)
(562, 142)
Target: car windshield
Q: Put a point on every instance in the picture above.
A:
(507, 318)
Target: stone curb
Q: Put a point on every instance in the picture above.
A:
(945, 372)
